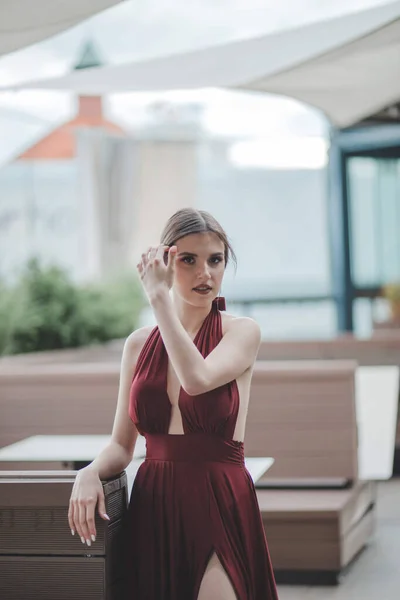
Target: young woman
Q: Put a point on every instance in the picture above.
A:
(194, 529)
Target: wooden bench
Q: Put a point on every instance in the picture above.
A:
(80, 399)
(38, 556)
(76, 398)
(314, 535)
(291, 403)
(383, 348)
(104, 353)
(39, 559)
(305, 415)
(317, 510)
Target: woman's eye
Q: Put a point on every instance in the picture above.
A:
(189, 260)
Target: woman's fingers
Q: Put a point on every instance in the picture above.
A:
(101, 507)
(159, 255)
(81, 517)
(84, 531)
(72, 525)
(157, 265)
(172, 255)
(153, 256)
(86, 494)
(75, 517)
(90, 507)
(140, 268)
(146, 257)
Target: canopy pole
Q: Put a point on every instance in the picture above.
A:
(339, 234)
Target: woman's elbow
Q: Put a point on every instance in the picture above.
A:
(195, 387)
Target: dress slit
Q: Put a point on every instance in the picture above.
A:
(203, 571)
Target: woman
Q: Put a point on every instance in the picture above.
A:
(194, 529)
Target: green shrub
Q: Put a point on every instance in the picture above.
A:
(6, 304)
(45, 310)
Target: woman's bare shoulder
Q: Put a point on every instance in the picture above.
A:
(136, 340)
(242, 323)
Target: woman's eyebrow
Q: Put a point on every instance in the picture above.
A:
(193, 254)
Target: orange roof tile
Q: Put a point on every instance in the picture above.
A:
(60, 144)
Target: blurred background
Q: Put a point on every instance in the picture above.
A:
(258, 162)
(91, 167)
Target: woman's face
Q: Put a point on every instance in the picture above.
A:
(199, 268)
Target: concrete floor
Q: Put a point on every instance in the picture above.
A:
(375, 575)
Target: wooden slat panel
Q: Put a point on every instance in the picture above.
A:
(57, 399)
(304, 415)
(356, 539)
(382, 349)
(317, 530)
(302, 555)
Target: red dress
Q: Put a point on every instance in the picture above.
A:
(192, 496)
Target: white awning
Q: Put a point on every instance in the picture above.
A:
(349, 67)
(26, 22)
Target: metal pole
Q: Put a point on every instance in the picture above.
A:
(339, 230)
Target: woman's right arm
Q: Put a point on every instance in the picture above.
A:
(116, 456)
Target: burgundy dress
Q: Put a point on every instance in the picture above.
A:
(192, 496)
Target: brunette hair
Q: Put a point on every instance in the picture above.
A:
(189, 220)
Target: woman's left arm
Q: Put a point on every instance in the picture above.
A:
(236, 352)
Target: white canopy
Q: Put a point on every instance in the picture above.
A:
(349, 67)
(25, 22)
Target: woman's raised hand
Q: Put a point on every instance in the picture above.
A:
(157, 274)
(87, 493)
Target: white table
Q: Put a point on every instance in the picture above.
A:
(257, 467)
(76, 450)
(377, 397)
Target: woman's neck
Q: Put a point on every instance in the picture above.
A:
(191, 317)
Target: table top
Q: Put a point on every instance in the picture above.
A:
(62, 448)
(256, 466)
(70, 448)
(377, 398)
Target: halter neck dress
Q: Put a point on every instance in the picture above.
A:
(192, 496)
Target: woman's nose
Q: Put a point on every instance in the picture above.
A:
(204, 271)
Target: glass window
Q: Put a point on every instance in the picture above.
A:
(314, 320)
(277, 222)
(39, 208)
(374, 204)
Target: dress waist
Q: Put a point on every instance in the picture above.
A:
(193, 447)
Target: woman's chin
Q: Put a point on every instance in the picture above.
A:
(204, 295)
(201, 300)
(197, 299)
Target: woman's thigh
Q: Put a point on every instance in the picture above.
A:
(216, 584)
